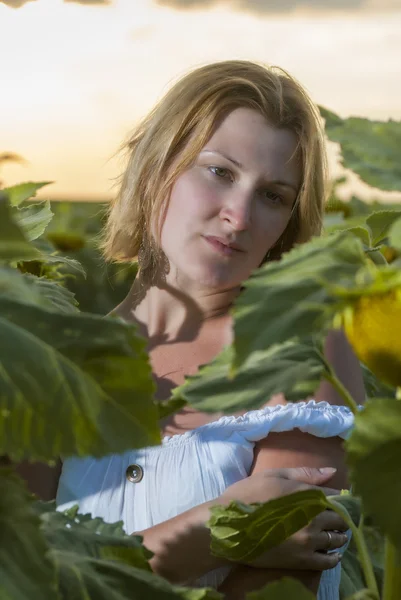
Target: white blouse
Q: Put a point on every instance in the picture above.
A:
(148, 486)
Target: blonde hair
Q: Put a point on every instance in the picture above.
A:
(169, 139)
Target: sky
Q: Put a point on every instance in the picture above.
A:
(78, 74)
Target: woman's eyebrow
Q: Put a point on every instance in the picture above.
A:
(282, 184)
(240, 166)
(224, 155)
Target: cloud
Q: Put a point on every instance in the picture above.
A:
(15, 3)
(281, 6)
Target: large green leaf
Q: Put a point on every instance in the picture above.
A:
(72, 385)
(13, 243)
(25, 569)
(33, 219)
(373, 453)
(85, 578)
(91, 537)
(380, 224)
(369, 148)
(293, 369)
(288, 298)
(55, 296)
(285, 589)
(15, 286)
(242, 533)
(98, 560)
(36, 290)
(17, 194)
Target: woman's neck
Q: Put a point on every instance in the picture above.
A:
(166, 312)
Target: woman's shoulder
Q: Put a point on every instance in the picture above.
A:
(320, 419)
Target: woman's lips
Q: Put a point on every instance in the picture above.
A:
(220, 247)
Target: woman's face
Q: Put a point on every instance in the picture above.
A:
(232, 205)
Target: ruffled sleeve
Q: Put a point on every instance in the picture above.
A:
(317, 418)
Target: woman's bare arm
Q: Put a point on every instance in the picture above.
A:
(298, 449)
(181, 545)
(287, 449)
(340, 355)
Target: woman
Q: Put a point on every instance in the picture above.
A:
(227, 171)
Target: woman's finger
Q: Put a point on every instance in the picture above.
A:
(329, 520)
(322, 561)
(329, 540)
(308, 475)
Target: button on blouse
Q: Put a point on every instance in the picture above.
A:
(134, 473)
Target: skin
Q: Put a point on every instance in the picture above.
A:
(231, 192)
(236, 200)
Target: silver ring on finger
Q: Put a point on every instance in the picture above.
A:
(330, 537)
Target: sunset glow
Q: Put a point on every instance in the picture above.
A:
(76, 78)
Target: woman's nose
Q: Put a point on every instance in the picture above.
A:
(237, 211)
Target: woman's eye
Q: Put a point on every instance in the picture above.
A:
(273, 198)
(220, 172)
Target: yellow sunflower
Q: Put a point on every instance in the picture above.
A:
(373, 326)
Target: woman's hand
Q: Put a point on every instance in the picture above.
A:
(181, 545)
(306, 549)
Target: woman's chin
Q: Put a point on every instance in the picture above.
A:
(212, 279)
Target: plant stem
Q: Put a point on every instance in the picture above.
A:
(362, 548)
(361, 522)
(338, 386)
(392, 573)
